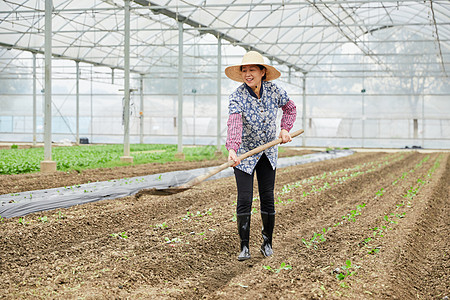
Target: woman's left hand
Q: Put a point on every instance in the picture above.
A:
(285, 136)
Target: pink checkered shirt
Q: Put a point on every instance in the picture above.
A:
(234, 123)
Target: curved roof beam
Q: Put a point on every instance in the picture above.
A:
(215, 33)
(437, 38)
(339, 29)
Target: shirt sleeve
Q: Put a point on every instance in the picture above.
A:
(235, 103)
(283, 97)
(234, 132)
(289, 115)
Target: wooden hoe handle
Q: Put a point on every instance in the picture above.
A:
(229, 163)
(266, 146)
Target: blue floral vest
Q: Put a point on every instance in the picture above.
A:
(259, 121)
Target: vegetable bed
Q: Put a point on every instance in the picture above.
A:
(370, 225)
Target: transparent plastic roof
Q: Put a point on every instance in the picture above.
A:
(304, 36)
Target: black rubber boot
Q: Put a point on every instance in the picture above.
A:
(243, 223)
(268, 222)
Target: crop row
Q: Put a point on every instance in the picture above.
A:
(371, 242)
(399, 212)
(18, 161)
(345, 173)
(333, 178)
(328, 180)
(173, 240)
(354, 213)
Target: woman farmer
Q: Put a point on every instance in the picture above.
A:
(252, 122)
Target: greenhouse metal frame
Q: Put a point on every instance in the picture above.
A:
(362, 73)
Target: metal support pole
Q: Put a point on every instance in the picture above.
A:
(363, 119)
(363, 113)
(141, 113)
(289, 79)
(219, 93)
(48, 82)
(304, 109)
(47, 165)
(34, 99)
(78, 102)
(423, 121)
(126, 110)
(91, 98)
(180, 89)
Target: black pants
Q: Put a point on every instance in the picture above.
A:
(266, 182)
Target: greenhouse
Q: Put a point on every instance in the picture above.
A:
(119, 177)
(362, 73)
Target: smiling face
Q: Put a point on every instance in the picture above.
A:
(252, 75)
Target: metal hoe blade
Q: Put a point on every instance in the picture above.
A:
(161, 192)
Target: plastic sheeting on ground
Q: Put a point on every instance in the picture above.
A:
(21, 204)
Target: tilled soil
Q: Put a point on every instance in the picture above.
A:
(378, 221)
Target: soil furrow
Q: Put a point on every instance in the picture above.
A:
(184, 246)
(316, 217)
(424, 253)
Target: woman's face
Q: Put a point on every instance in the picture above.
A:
(252, 75)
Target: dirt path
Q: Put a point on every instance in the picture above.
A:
(384, 214)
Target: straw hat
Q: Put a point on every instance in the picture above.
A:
(251, 58)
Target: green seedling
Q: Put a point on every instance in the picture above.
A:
(174, 240)
(206, 213)
(283, 266)
(43, 219)
(374, 251)
(344, 285)
(162, 225)
(187, 216)
(284, 202)
(316, 239)
(122, 235)
(400, 205)
(198, 214)
(365, 241)
(380, 193)
(379, 231)
(60, 215)
(269, 268)
(234, 218)
(346, 271)
(386, 218)
(354, 213)
(400, 215)
(22, 221)
(279, 200)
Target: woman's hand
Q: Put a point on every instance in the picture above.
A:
(285, 136)
(233, 156)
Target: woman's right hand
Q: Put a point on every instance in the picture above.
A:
(233, 156)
